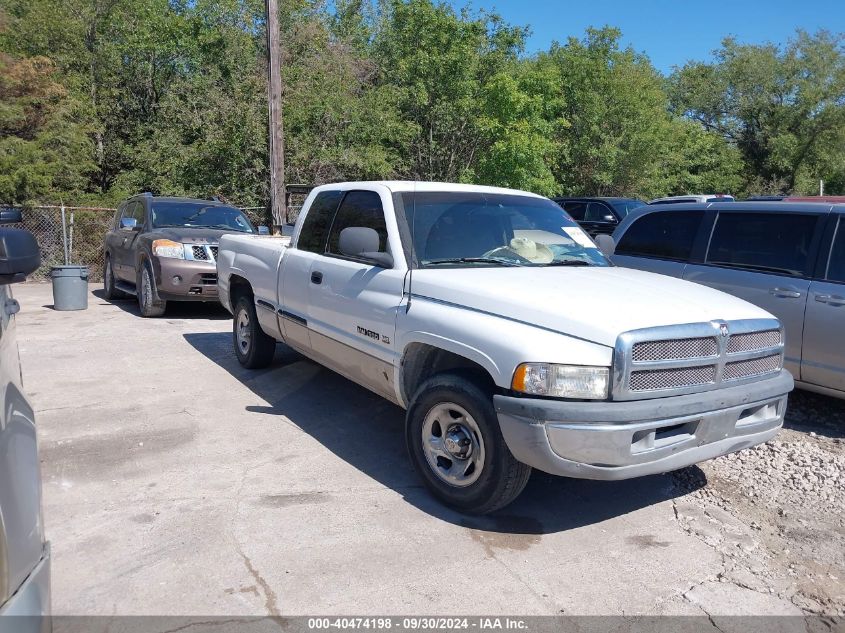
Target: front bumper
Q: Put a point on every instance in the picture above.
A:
(28, 610)
(197, 280)
(621, 440)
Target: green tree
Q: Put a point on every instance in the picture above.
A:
(782, 107)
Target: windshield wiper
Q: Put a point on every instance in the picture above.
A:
(569, 262)
(471, 260)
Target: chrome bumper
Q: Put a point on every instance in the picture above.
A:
(621, 440)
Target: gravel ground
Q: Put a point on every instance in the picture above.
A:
(776, 513)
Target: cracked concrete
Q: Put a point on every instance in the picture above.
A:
(176, 482)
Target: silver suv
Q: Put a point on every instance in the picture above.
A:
(788, 258)
(24, 553)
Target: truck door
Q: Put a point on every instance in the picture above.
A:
(352, 314)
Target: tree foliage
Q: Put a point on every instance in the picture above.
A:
(103, 98)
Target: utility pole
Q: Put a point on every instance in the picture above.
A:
(278, 205)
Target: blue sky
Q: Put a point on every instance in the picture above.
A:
(670, 33)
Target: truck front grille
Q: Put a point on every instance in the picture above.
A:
(657, 379)
(675, 349)
(695, 357)
(200, 253)
(755, 367)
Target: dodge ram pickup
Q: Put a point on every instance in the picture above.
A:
(507, 336)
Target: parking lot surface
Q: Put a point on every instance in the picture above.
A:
(176, 482)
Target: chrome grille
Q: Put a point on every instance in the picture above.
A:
(200, 253)
(694, 357)
(657, 379)
(675, 349)
(754, 367)
(753, 341)
(214, 252)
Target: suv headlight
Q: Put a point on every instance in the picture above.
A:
(562, 381)
(168, 248)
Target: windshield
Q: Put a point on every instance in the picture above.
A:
(624, 207)
(482, 229)
(198, 214)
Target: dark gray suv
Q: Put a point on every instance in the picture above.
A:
(165, 249)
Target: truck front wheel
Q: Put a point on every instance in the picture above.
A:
(457, 447)
(253, 347)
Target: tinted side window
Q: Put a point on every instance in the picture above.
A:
(575, 209)
(597, 211)
(119, 214)
(133, 210)
(315, 227)
(359, 208)
(665, 235)
(836, 264)
(768, 242)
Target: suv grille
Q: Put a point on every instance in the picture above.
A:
(674, 349)
(695, 357)
(203, 253)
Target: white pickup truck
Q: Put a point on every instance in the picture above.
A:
(507, 336)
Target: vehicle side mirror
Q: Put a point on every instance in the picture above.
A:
(606, 245)
(609, 218)
(19, 255)
(128, 223)
(263, 230)
(10, 216)
(363, 242)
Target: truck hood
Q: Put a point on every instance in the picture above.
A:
(593, 303)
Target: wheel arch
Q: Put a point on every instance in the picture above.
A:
(238, 287)
(423, 359)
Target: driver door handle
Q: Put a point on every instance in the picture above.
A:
(833, 300)
(316, 277)
(785, 293)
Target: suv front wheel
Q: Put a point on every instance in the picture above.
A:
(457, 447)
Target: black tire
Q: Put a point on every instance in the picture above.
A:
(150, 307)
(109, 291)
(253, 347)
(501, 478)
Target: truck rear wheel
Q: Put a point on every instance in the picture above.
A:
(457, 447)
(253, 347)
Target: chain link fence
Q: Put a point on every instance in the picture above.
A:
(85, 229)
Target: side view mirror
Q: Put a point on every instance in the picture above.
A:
(606, 245)
(263, 230)
(128, 223)
(609, 218)
(19, 255)
(363, 242)
(10, 216)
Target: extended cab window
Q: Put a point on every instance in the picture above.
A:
(318, 220)
(664, 235)
(836, 264)
(359, 208)
(768, 242)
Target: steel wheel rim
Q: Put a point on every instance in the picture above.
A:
(242, 332)
(453, 445)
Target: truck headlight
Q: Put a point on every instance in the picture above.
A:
(562, 381)
(168, 248)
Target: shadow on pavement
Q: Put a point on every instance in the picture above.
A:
(368, 432)
(175, 309)
(813, 412)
